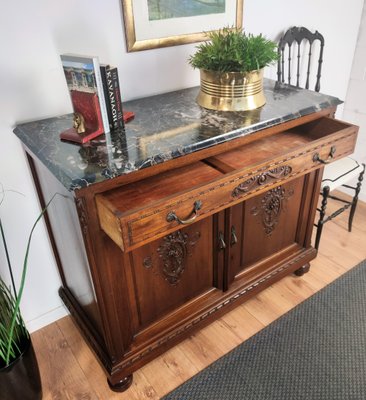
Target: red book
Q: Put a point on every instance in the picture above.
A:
(83, 77)
(87, 104)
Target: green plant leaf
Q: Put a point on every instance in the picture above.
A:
(231, 50)
(13, 331)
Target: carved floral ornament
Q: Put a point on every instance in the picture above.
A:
(173, 253)
(262, 179)
(271, 207)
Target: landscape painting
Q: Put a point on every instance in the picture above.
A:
(150, 24)
(165, 9)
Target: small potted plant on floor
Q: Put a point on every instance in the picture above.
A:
(19, 373)
(231, 67)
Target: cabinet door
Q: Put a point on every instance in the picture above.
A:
(267, 227)
(173, 270)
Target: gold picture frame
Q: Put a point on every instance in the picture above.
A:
(134, 43)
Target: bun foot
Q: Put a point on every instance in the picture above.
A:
(121, 385)
(303, 270)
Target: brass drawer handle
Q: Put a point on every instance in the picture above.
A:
(172, 216)
(316, 156)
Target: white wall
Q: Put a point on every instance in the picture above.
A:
(32, 86)
(355, 104)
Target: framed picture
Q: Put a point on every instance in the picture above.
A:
(150, 24)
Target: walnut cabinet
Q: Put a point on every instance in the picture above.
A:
(159, 253)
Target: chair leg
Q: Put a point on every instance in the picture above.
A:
(320, 224)
(355, 199)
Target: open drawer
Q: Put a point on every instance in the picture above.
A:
(296, 150)
(143, 211)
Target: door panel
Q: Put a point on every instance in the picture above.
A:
(264, 225)
(271, 221)
(173, 270)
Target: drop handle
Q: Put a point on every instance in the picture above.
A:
(234, 238)
(222, 244)
(172, 216)
(316, 156)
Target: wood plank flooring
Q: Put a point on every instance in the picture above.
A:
(69, 369)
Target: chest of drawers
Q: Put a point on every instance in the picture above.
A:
(170, 224)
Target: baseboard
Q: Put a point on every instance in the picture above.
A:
(46, 319)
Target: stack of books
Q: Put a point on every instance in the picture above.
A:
(96, 98)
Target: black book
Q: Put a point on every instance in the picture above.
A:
(104, 71)
(113, 96)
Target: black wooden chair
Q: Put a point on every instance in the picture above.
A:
(342, 171)
(297, 36)
(335, 175)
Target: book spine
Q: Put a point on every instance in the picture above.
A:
(104, 70)
(116, 102)
(102, 103)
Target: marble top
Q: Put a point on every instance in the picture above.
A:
(166, 126)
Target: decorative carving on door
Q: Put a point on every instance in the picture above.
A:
(262, 179)
(272, 205)
(83, 214)
(173, 253)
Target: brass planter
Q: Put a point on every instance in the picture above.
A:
(231, 91)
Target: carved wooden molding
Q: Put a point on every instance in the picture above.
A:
(272, 205)
(83, 214)
(262, 179)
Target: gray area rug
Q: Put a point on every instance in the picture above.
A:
(315, 351)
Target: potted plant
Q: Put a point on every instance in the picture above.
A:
(231, 67)
(19, 373)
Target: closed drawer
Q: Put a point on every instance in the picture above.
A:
(146, 210)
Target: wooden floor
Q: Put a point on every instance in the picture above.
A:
(69, 369)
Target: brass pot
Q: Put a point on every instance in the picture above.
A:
(231, 91)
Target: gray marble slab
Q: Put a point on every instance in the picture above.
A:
(166, 126)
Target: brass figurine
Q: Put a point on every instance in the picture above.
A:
(79, 123)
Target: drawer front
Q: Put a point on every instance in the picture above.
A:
(137, 228)
(295, 164)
